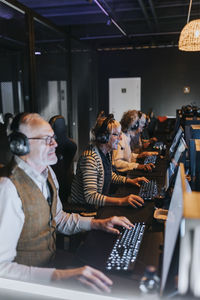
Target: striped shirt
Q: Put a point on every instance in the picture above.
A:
(88, 182)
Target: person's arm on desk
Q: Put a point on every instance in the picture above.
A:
(10, 230)
(109, 223)
(146, 167)
(136, 181)
(89, 276)
(131, 199)
(147, 153)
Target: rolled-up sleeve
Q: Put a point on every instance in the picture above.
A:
(123, 160)
(68, 223)
(71, 223)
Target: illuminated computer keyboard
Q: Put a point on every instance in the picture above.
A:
(125, 250)
(150, 159)
(148, 190)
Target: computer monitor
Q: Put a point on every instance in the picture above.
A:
(175, 142)
(179, 156)
(189, 258)
(171, 241)
(195, 164)
(195, 131)
(187, 134)
(191, 122)
(187, 129)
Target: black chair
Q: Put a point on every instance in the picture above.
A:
(65, 152)
(63, 169)
(5, 153)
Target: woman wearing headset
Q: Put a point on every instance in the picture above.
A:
(94, 169)
(123, 159)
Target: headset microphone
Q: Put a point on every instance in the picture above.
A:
(122, 148)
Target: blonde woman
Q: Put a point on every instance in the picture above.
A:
(94, 169)
(123, 159)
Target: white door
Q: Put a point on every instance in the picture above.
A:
(124, 94)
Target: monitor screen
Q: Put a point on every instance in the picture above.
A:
(171, 252)
(175, 141)
(172, 229)
(175, 161)
(195, 164)
(189, 262)
(195, 131)
(192, 156)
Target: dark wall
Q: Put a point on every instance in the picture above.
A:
(163, 72)
(84, 96)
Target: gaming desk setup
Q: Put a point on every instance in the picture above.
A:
(152, 241)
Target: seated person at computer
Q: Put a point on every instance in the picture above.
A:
(151, 127)
(146, 140)
(94, 169)
(141, 139)
(31, 211)
(123, 159)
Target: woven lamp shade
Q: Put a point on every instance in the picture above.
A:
(189, 39)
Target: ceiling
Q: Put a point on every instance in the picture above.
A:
(124, 23)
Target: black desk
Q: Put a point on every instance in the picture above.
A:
(157, 173)
(97, 246)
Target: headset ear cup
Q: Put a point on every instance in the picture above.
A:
(103, 138)
(19, 143)
(102, 134)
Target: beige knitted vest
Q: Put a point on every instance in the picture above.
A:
(36, 244)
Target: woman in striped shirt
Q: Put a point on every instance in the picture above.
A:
(94, 173)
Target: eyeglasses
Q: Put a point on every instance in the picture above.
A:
(117, 134)
(48, 139)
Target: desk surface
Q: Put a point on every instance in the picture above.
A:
(97, 246)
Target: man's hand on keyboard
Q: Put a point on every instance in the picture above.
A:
(88, 276)
(137, 180)
(153, 139)
(147, 167)
(109, 223)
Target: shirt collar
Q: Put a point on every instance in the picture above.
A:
(41, 177)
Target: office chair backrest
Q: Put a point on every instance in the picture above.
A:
(65, 152)
(5, 153)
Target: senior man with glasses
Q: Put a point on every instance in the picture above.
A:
(94, 173)
(31, 211)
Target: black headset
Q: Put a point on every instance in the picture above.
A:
(19, 143)
(102, 134)
(187, 111)
(198, 112)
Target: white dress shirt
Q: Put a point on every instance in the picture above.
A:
(123, 159)
(12, 220)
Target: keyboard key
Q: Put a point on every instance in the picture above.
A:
(125, 250)
(150, 159)
(148, 190)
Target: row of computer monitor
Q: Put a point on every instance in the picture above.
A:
(181, 259)
(188, 140)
